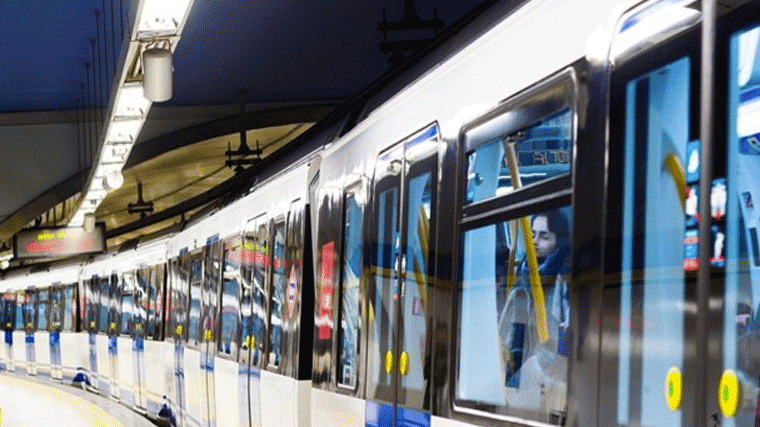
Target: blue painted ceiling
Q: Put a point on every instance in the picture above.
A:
(278, 51)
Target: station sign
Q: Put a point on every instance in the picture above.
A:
(58, 242)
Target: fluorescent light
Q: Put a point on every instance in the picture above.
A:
(163, 16)
(115, 154)
(130, 102)
(124, 130)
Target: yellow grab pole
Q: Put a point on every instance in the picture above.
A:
(537, 291)
(674, 166)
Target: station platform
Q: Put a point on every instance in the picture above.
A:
(24, 401)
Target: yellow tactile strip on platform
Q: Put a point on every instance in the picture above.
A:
(88, 411)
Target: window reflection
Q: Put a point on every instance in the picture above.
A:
(543, 151)
(499, 300)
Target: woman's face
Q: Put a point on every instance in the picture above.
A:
(543, 240)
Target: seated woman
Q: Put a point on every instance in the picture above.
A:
(517, 322)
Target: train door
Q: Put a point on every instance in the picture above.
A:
(177, 301)
(735, 217)
(254, 279)
(229, 380)
(404, 209)
(114, 301)
(30, 323)
(92, 309)
(651, 255)
(56, 324)
(9, 322)
(19, 350)
(139, 320)
(208, 321)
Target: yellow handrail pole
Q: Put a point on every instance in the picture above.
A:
(512, 255)
(536, 289)
(676, 169)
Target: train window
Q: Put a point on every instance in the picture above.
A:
(113, 305)
(69, 308)
(246, 314)
(277, 295)
(30, 300)
(518, 328)
(56, 307)
(738, 231)
(154, 301)
(127, 305)
(260, 286)
(538, 125)
(180, 280)
(141, 301)
(230, 306)
(350, 307)
(196, 276)
(20, 311)
(543, 152)
(9, 311)
(385, 254)
(104, 283)
(42, 310)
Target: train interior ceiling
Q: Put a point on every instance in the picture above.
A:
(461, 243)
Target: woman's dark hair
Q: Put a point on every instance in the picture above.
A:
(557, 223)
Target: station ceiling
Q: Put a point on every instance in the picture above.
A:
(288, 63)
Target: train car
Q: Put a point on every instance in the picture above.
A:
(506, 231)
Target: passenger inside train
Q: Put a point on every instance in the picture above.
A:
(525, 354)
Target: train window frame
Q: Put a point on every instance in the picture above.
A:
(548, 97)
(553, 94)
(356, 187)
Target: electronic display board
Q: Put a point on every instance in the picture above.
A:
(58, 242)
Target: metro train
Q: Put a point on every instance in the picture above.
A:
(505, 231)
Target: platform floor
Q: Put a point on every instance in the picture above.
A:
(24, 401)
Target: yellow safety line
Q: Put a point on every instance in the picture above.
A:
(674, 166)
(530, 252)
(93, 414)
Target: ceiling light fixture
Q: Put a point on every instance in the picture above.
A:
(157, 72)
(157, 26)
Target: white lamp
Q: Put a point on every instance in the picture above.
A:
(113, 180)
(157, 69)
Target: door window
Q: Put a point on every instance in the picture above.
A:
(739, 231)
(42, 310)
(196, 272)
(350, 308)
(277, 295)
(230, 300)
(658, 253)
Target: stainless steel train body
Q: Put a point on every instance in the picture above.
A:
(504, 232)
